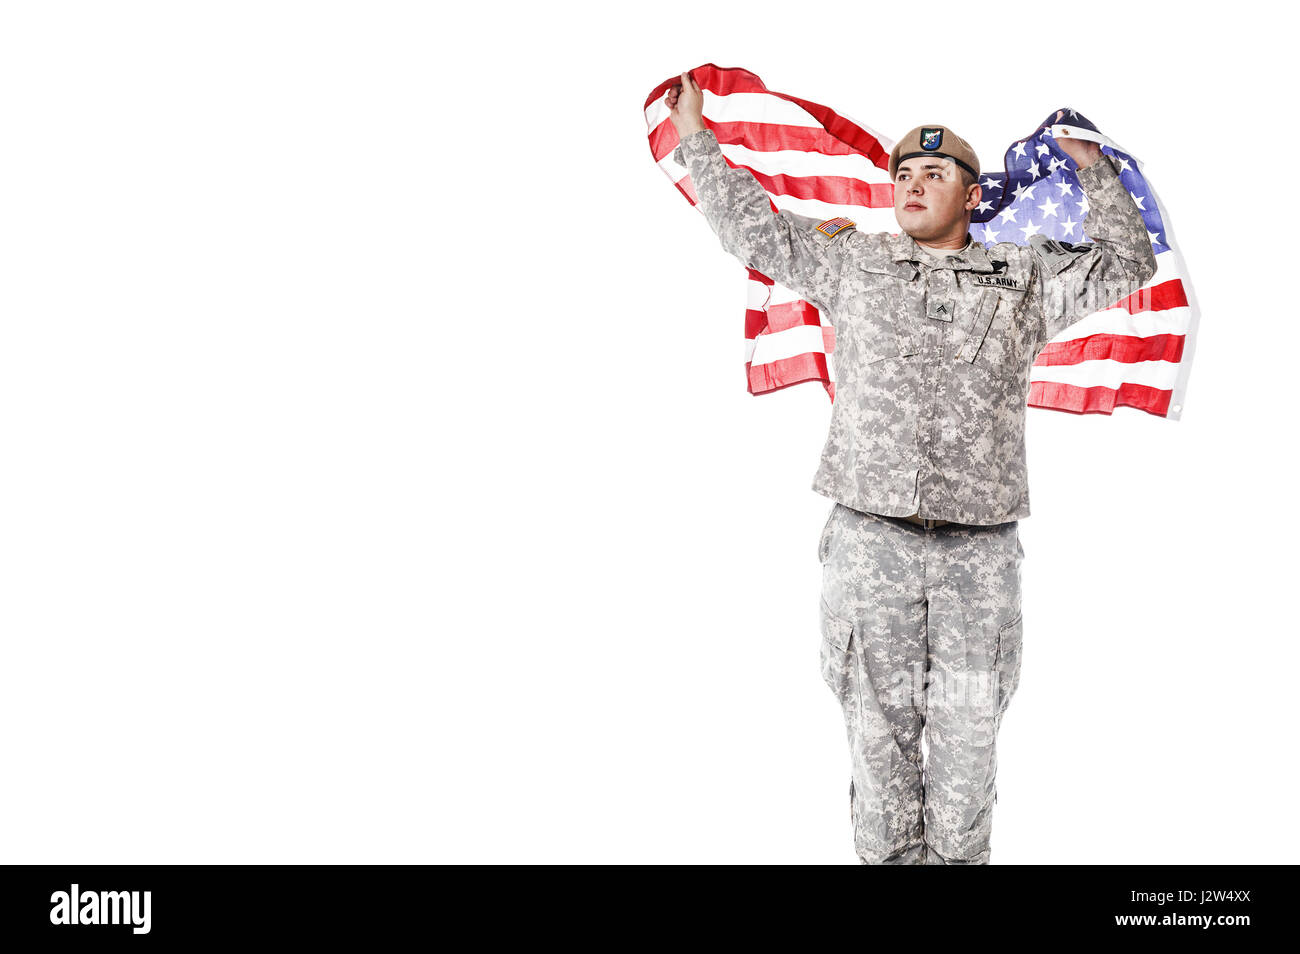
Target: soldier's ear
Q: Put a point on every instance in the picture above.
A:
(973, 196)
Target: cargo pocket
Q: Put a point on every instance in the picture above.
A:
(836, 654)
(1008, 660)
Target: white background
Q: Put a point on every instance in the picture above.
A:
(378, 480)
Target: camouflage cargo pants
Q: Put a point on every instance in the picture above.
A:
(921, 635)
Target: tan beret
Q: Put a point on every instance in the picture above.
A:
(934, 141)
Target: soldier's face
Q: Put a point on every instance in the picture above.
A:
(929, 200)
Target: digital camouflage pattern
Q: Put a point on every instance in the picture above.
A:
(921, 630)
(932, 356)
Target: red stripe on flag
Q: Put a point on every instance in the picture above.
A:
(1162, 297)
(1126, 348)
(755, 322)
(773, 137)
(836, 190)
(760, 137)
(786, 372)
(687, 188)
(1098, 400)
(790, 315)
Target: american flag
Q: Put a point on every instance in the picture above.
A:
(816, 161)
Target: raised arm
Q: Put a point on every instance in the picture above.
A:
(786, 247)
(1075, 279)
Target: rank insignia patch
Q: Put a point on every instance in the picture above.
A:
(940, 310)
(931, 138)
(835, 226)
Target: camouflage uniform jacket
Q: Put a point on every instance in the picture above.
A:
(932, 356)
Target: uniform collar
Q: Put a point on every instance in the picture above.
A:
(974, 257)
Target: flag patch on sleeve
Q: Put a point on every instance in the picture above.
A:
(836, 225)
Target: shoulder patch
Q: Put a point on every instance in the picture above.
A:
(833, 227)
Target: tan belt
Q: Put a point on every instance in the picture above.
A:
(925, 521)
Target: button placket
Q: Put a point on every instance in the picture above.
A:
(940, 286)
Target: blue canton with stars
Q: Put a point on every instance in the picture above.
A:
(1039, 194)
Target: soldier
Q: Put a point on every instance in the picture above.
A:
(925, 461)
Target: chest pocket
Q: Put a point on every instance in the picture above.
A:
(883, 309)
(992, 338)
(869, 334)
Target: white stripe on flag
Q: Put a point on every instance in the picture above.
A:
(800, 339)
(1118, 321)
(1108, 373)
